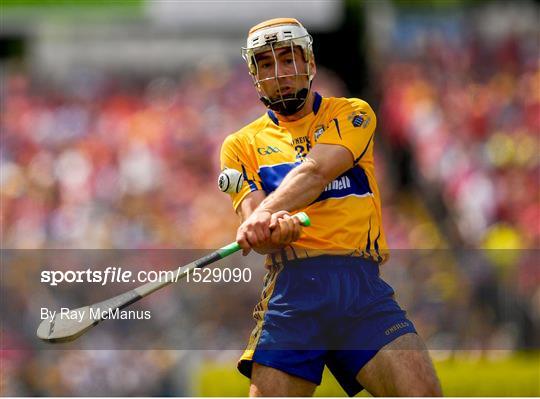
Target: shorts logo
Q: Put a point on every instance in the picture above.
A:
(396, 327)
(268, 150)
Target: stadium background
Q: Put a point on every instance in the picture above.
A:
(112, 118)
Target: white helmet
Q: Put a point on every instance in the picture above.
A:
(269, 36)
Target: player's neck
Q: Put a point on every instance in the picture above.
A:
(306, 109)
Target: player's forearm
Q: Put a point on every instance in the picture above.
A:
(250, 203)
(299, 188)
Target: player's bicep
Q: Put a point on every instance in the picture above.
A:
(250, 202)
(331, 160)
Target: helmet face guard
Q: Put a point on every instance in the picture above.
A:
(268, 40)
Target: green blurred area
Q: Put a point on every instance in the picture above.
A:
(70, 3)
(437, 4)
(518, 375)
(68, 9)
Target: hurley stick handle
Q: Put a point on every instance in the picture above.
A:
(233, 247)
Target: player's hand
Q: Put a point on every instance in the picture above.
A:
(284, 229)
(255, 230)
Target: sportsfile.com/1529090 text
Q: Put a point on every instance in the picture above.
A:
(113, 274)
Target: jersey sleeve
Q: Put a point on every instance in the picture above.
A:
(352, 126)
(236, 155)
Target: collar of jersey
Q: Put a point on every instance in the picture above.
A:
(316, 106)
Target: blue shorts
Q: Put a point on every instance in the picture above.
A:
(329, 310)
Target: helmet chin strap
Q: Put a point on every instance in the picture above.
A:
(289, 105)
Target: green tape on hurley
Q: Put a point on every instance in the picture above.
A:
(228, 249)
(304, 219)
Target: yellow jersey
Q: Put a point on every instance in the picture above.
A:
(346, 217)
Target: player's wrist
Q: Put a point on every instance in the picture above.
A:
(266, 209)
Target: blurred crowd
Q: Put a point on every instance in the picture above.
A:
(119, 163)
(463, 110)
(469, 113)
(116, 162)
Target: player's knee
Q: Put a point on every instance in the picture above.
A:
(256, 391)
(435, 390)
(426, 387)
(432, 390)
(429, 382)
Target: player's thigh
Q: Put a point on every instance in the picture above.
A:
(401, 368)
(267, 381)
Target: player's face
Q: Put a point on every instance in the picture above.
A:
(282, 72)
